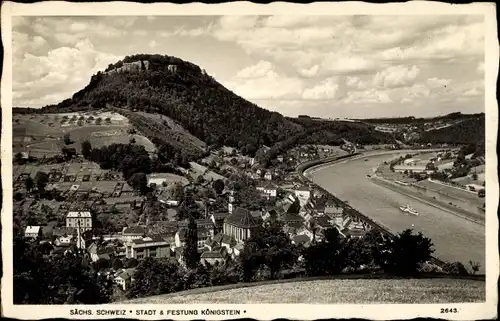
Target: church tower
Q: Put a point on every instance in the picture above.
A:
(231, 202)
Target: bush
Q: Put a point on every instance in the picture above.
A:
(455, 268)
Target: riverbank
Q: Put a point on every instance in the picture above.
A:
(407, 191)
(454, 238)
(308, 167)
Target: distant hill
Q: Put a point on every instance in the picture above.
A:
(193, 99)
(415, 120)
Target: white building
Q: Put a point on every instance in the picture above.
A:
(79, 220)
(33, 232)
(270, 189)
(303, 193)
(268, 176)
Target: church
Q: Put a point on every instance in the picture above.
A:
(237, 227)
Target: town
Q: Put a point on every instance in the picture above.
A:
(71, 204)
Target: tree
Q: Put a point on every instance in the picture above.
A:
(131, 263)
(18, 158)
(474, 266)
(67, 139)
(41, 181)
(155, 277)
(132, 140)
(191, 255)
(68, 153)
(101, 264)
(86, 149)
(139, 181)
(218, 186)
(406, 252)
(116, 264)
(54, 279)
(455, 268)
(268, 246)
(29, 183)
(327, 257)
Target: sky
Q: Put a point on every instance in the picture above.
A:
(323, 66)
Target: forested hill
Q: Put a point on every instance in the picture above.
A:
(413, 120)
(187, 94)
(470, 131)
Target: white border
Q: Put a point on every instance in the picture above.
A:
(467, 311)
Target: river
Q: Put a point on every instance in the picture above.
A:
(454, 238)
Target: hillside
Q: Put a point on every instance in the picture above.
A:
(185, 93)
(469, 131)
(351, 291)
(199, 104)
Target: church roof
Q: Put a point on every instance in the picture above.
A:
(241, 218)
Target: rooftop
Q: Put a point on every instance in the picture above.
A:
(155, 238)
(241, 218)
(211, 255)
(133, 230)
(79, 214)
(32, 229)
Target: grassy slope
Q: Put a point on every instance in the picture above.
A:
(352, 291)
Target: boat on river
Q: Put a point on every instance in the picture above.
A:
(408, 209)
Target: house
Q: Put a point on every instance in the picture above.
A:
(132, 233)
(333, 208)
(203, 236)
(64, 240)
(288, 218)
(33, 232)
(270, 215)
(303, 193)
(203, 223)
(301, 239)
(79, 220)
(222, 240)
(212, 257)
(124, 278)
(62, 231)
(150, 246)
(268, 176)
(97, 253)
(305, 231)
(218, 219)
(268, 189)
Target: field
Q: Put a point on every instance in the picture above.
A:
(42, 135)
(197, 170)
(338, 291)
(177, 130)
(453, 192)
(170, 179)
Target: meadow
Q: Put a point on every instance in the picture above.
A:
(336, 291)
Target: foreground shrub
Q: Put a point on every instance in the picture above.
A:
(455, 268)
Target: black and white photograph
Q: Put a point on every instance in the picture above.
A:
(180, 161)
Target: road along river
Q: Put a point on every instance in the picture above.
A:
(454, 238)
